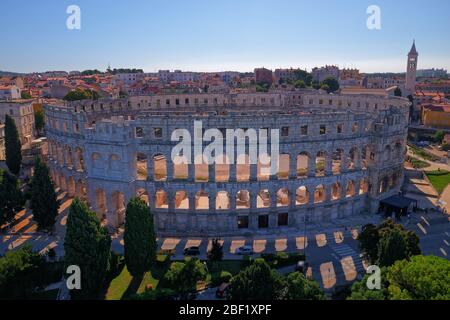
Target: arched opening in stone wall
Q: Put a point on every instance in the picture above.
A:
(395, 178)
(387, 153)
(180, 167)
(141, 166)
(201, 169)
(283, 197)
(320, 164)
(69, 157)
(222, 168)
(243, 199)
(335, 191)
(119, 206)
(353, 159)
(201, 200)
(143, 195)
(114, 163)
(160, 167)
(302, 196)
(365, 157)
(79, 165)
(319, 194)
(60, 156)
(263, 199)
(283, 166)
(100, 199)
(63, 182)
(350, 190)
(243, 168)
(364, 187)
(337, 161)
(264, 167)
(384, 185)
(302, 165)
(399, 150)
(222, 200)
(97, 161)
(161, 200)
(181, 200)
(71, 187)
(81, 190)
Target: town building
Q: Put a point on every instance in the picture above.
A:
(432, 73)
(23, 114)
(10, 92)
(436, 115)
(320, 74)
(263, 76)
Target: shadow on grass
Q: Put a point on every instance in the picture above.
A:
(133, 287)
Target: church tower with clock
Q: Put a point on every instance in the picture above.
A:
(411, 70)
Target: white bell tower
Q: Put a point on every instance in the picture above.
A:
(411, 70)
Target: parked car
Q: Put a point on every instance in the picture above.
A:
(192, 251)
(244, 251)
(221, 290)
(302, 266)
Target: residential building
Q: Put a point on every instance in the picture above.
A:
(436, 115)
(22, 113)
(10, 92)
(263, 76)
(320, 74)
(432, 73)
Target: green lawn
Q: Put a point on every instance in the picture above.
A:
(423, 154)
(439, 179)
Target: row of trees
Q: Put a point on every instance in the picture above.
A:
(417, 278)
(81, 94)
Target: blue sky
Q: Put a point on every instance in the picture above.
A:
(212, 35)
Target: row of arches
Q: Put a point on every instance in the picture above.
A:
(67, 156)
(244, 199)
(73, 187)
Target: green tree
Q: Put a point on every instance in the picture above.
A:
(439, 136)
(39, 120)
(420, 278)
(300, 84)
(301, 288)
(368, 241)
(216, 253)
(20, 273)
(11, 198)
(257, 282)
(397, 92)
(360, 291)
(25, 95)
(43, 200)
(304, 76)
(332, 84)
(183, 276)
(88, 245)
(325, 87)
(391, 248)
(13, 146)
(80, 94)
(139, 238)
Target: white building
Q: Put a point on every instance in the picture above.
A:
(10, 92)
(23, 115)
(320, 74)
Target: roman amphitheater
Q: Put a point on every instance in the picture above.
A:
(339, 156)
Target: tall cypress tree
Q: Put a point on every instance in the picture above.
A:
(87, 245)
(139, 238)
(44, 201)
(13, 146)
(11, 198)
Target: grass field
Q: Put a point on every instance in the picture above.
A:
(439, 179)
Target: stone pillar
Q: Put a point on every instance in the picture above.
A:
(253, 172)
(253, 200)
(191, 197)
(232, 200)
(191, 172)
(212, 173)
(292, 166)
(273, 198)
(328, 164)
(150, 168)
(311, 166)
(344, 161)
(233, 169)
(171, 200)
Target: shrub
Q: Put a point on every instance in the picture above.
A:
(220, 277)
